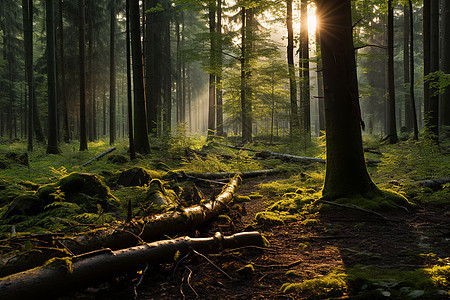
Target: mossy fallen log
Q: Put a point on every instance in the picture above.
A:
(65, 274)
(290, 157)
(128, 235)
(246, 174)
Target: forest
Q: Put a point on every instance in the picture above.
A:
(225, 149)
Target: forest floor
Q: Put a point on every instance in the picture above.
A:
(314, 251)
(387, 251)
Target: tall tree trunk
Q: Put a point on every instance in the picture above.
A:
(140, 114)
(129, 98)
(212, 69)
(27, 7)
(166, 66)
(445, 99)
(411, 69)
(52, 146)
(112, 76)
(153, 76)
(346, 172)
(219, 96)
(426, 32)
(392, 124)
(81, 46)
(321, 107)
(406, 71)
(66, 132)
(90, 79)
(305, 106)
(179, 90)
(432, 115)
(294, 118)
(244, 104)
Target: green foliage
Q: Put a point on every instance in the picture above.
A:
(330, 285)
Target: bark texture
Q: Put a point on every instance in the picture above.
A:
(346, 172)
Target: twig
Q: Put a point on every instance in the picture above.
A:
(213, 264)
(189, 282)
(355, 207)
(183, 258)
(252, 247)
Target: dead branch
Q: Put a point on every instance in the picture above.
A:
(60, 276)
(99, 156)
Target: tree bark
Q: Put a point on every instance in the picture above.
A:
(219, 96)
(129, 98)
(27, 7)
(346, 172)
(212, 69)
(392, 124)
(432, 115)
(112, 75)
(305, 106)
(81, 46)
(52, 146)
(140, 114)
(406, 71)
(411, 69)
(445, 99)
(426, 33)
(66, 132)
(60, 276)
(293, 116)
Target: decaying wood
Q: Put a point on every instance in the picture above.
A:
(99, 156)
(290, 157)
(128, 235)
(224, 175)
(157, 195)
(61, 275)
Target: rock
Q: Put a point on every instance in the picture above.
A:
(134, 177)
(29, 205)
(117, 159)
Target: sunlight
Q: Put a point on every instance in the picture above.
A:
(312, 19)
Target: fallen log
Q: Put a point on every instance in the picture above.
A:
(99, 156)
(290, 157)
(128, 235)
(62, 275)
(223, 175)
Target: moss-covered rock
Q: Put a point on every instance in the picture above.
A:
(134, 177)
(117, 159)
(29, 205)
(84, 189)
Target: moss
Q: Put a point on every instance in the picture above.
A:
(293, 273)
(274, 217)
(255, 195)
(241, 199)
(310, 222)
(380, 200)
(246, 271)
(330, 285)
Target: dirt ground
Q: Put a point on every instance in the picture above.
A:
(341, 238)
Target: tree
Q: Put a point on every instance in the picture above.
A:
(81, 46)
(212, 77)
(112, 76)
(294, 120)
(346, 172)
(219, 92)
(140, 114)
(129, 103)
(392, 124)
(432, 113)
(66, 132)
(27, 8)
(411, 70)
(445, 99)
(304, 74)
(52, 146)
